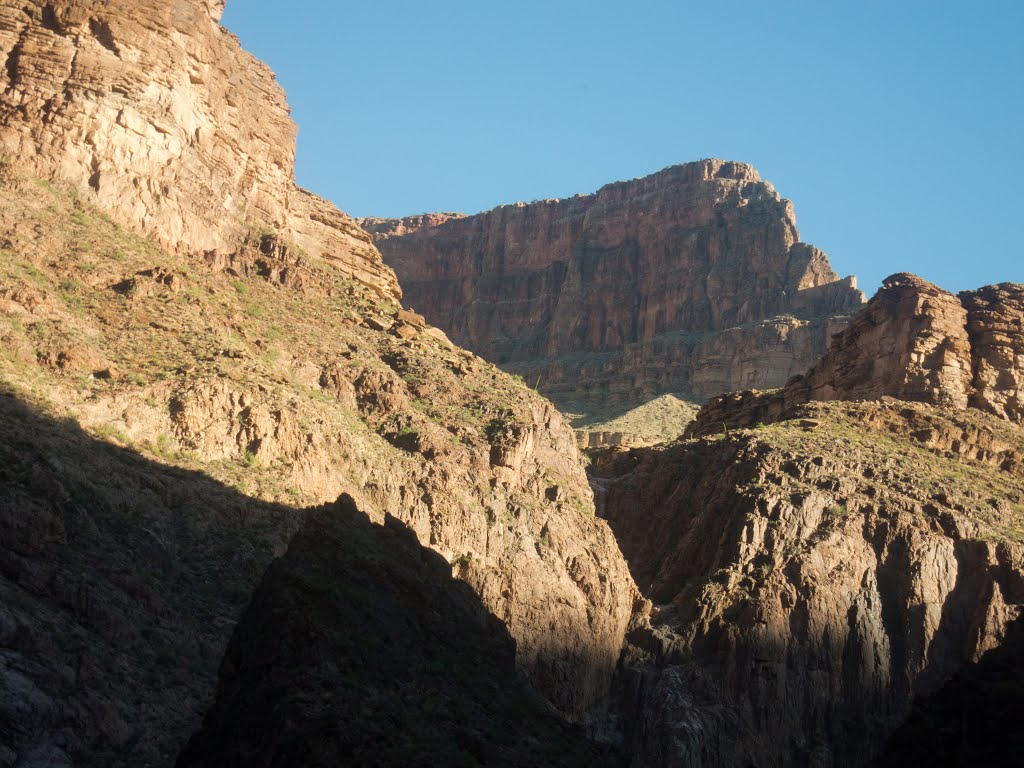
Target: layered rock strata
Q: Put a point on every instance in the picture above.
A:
(995, 326)
(913, 341)
(153, 111)
(690, 280)
(811, 578)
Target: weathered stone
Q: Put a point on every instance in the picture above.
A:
(995, 323)
(690, 280)
(154, 112)
(910, 343)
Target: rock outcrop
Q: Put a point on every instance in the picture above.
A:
(360, 649)
(811, 578)
(153, 111)
(914, 342)
(995, 325)
(691, 280)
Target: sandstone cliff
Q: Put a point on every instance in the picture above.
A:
(691, 280)
(913, 341)
(153, 111)
(810, 578)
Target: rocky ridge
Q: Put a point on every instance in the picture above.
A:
(810, 578)
(152, 111)
(691, 280)
(913, 341)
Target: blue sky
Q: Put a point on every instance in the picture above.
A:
(895, 127)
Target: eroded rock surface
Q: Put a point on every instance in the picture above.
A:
(913, 341)
(359, 648)
(810, 578)
(291, 383)
(690, 280)
(995, 324)
(153, 111)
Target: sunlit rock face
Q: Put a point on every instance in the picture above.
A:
(693, 279)
(913, 341)
(154, 112)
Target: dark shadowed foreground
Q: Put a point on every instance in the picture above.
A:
(360, 649)
(121, 580)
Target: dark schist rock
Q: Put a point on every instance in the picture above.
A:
(359, 648)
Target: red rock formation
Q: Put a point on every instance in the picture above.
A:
(153, 111)
(620, 294)
(913, 341)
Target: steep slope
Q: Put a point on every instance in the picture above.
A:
(810, 578)
(152, 111)
(971, 720)
(913, 341)
(360, 649)
(283, 379)
(257, 341)
(692, 280)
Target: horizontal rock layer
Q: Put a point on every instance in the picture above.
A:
(154, 112)
(621, 294)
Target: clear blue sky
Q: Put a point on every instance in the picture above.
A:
(895, 127)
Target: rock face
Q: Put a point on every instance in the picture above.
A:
(152, 111)
(972, 719)
(813, 577)
(288, 382)
(913, 341)
(693, 279)
(360, 649)
(995, 324)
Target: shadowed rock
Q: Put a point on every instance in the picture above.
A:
(360, 649)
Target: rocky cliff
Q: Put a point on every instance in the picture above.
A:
(913, 341)
(252, 342)
(429, 677)
(152, 111)
(809, 579)
(288, 383)
(691, 280)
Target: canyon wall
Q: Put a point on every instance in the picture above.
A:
(154, 112)
(913, 341)
(254, 338)
(809, 579)
(693, 279)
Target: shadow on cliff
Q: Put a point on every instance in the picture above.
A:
(121, 580)
(972, 720)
